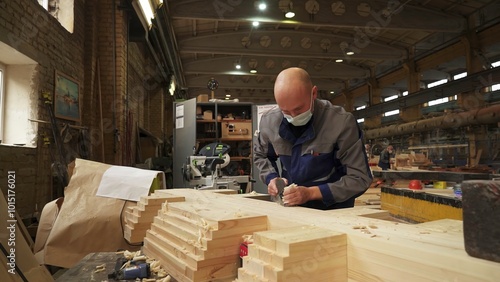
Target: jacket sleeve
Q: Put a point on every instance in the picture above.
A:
(264, 156)
(351, 153)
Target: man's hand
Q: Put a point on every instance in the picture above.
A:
(297, 195)
(272, 189)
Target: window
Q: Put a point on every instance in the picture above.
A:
(495, 87)
(61, 10)
(390, 98)
(438, 101)
(391, 113)
(18, 100)
(460, 75)
(436, 83)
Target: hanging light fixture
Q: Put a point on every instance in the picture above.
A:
(287, 7)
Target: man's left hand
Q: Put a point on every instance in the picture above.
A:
(297, 195)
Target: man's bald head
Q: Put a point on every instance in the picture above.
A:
(295, 79)
(293, 91)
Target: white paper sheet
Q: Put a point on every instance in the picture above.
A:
(179, 123)
(126, 183)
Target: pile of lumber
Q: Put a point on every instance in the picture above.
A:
(305, 253)
(138, 218)
(200, 241)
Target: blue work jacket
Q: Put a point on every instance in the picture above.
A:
(330, 154)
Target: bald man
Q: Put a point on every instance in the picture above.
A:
(319, 146)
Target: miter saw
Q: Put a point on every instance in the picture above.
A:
(203, 170)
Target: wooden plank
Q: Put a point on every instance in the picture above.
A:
(221, 272)
(23, 261)
(295, 241)
(206, 248)
(304, 253)
(216, 218)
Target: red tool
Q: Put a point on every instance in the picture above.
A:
(415, 185)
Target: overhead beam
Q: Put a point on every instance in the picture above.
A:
(395, 15)
(271, 66)
(291, 44)
(254, 82)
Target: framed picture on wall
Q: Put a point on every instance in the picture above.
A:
(66, 97)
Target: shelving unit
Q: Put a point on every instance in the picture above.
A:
(229, 123)
(199, 124)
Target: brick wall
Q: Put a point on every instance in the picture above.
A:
(126, 86)
(28, 28)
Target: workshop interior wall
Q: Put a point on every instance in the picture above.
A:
(116, 75)
(32, 31)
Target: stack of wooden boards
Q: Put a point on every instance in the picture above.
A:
(199, 241)
(296, 254)
(377, 249)
(138, 218)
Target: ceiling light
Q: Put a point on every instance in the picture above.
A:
(262, 6)
(339, 61)
(349, 52)
(228, 95)
(227, 98)
(332, 92)
(237, 66)
(255, 23)
(147, 10)
(286, 6)
(253, 71)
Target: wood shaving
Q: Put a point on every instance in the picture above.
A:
(99, 270)
(139, 258)
(161, 273)
(248, 238)
(166, 279)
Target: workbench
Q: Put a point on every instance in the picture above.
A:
(423, 205)
(85, 269)
(451, 176)
(369, 247)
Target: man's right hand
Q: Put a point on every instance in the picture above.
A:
(272, 189)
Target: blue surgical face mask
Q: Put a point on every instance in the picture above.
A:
(302, 118)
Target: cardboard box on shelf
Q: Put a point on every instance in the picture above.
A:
(208, 115)
(237, 129)
(202, 98)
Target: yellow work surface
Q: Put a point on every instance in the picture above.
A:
(421, 205)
